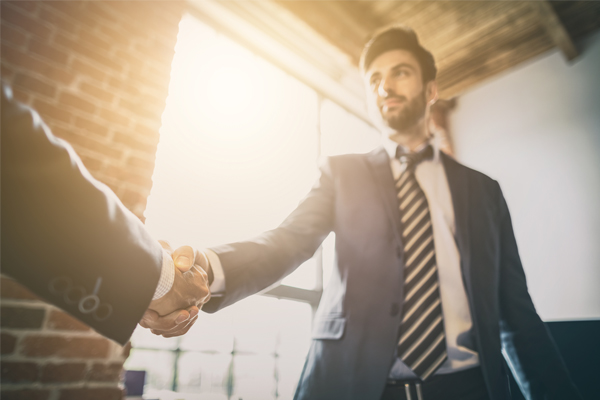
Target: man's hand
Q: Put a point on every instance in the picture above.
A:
(176, 312)
(190, 286)
(175, 324)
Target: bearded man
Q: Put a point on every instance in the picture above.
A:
(428, 287)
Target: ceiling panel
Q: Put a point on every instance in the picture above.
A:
(471, 40)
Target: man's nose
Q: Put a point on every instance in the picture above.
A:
(383, 89)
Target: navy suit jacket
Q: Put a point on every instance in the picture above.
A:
(356, 326)
(66, 236)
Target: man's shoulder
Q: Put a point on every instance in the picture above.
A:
(357, 158)
(453, 166)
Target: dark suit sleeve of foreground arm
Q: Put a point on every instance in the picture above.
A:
(533, 355)
(256, 264)
(65, 235)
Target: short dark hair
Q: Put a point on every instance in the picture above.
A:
(398, 37)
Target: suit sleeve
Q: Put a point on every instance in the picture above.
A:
(66, 236)
(533, 355)
(256, 264)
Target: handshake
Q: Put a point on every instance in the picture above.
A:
(176, 312)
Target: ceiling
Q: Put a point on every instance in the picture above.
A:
(471, 40)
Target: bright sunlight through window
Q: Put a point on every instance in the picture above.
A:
(238, 150)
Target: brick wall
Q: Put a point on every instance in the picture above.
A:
(98, 74)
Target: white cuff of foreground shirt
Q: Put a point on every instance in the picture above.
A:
(218, 285)
(167, 276)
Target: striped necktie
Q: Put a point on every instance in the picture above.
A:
(422, 342)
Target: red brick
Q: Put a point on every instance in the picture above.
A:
(93, 164)
(91, 394)
(48, 51)
(34, 64)
(157, 51)
(91, 126)
(7, 343)
(134, 198)
(133, 143)
(149, 133)
(18, 372)
(13, 36)
(73, 10)
(116, 37)
(88, 143)
(97, 92)
(101, 10)
(116, 187)
(159, 69)
(25, 394)
(105, 372)
(69, 372)
(21, 95)
(88, 69)
(65, 347)
(18, 18)
(114, 117)
(6, 72)
(62, 321)
(50, 112)
(21, 317)
(143, 108)
(35, 85)
(87, 51)
(94, 41)
(77, 102)
(123, 86)
(25, 5)
(10, 289)
(134, 62)
(159, 84)
(54, 19)
(124, 175)
(141, 163)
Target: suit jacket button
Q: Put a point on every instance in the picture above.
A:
(394, 309)
(398, 251)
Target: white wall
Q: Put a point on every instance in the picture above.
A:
(536, 130)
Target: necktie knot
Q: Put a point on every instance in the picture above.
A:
(412, 159)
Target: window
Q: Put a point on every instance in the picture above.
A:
(239, 147)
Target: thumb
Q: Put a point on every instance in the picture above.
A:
(184, 258)
(149, 317)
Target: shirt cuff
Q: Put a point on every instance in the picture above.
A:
(217, 286)
(167, 276)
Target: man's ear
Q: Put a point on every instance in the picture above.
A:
(431, 92)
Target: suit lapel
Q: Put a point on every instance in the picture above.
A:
(379, 163)
(459, 190)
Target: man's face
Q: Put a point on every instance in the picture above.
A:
(395, 89)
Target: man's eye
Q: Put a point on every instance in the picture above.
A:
(375, 83)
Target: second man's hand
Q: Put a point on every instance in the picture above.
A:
(176, 312)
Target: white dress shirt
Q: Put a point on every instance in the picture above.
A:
(167, 276)
(431, 176)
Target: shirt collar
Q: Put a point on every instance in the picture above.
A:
(391, 146)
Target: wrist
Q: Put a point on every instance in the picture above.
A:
(204, 262)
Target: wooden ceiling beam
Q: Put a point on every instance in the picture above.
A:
(454, 79)
(555, 28)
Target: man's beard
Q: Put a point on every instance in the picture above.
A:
(408, 116)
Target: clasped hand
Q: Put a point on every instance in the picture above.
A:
(177, 311)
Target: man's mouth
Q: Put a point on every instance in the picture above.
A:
(392, 102)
